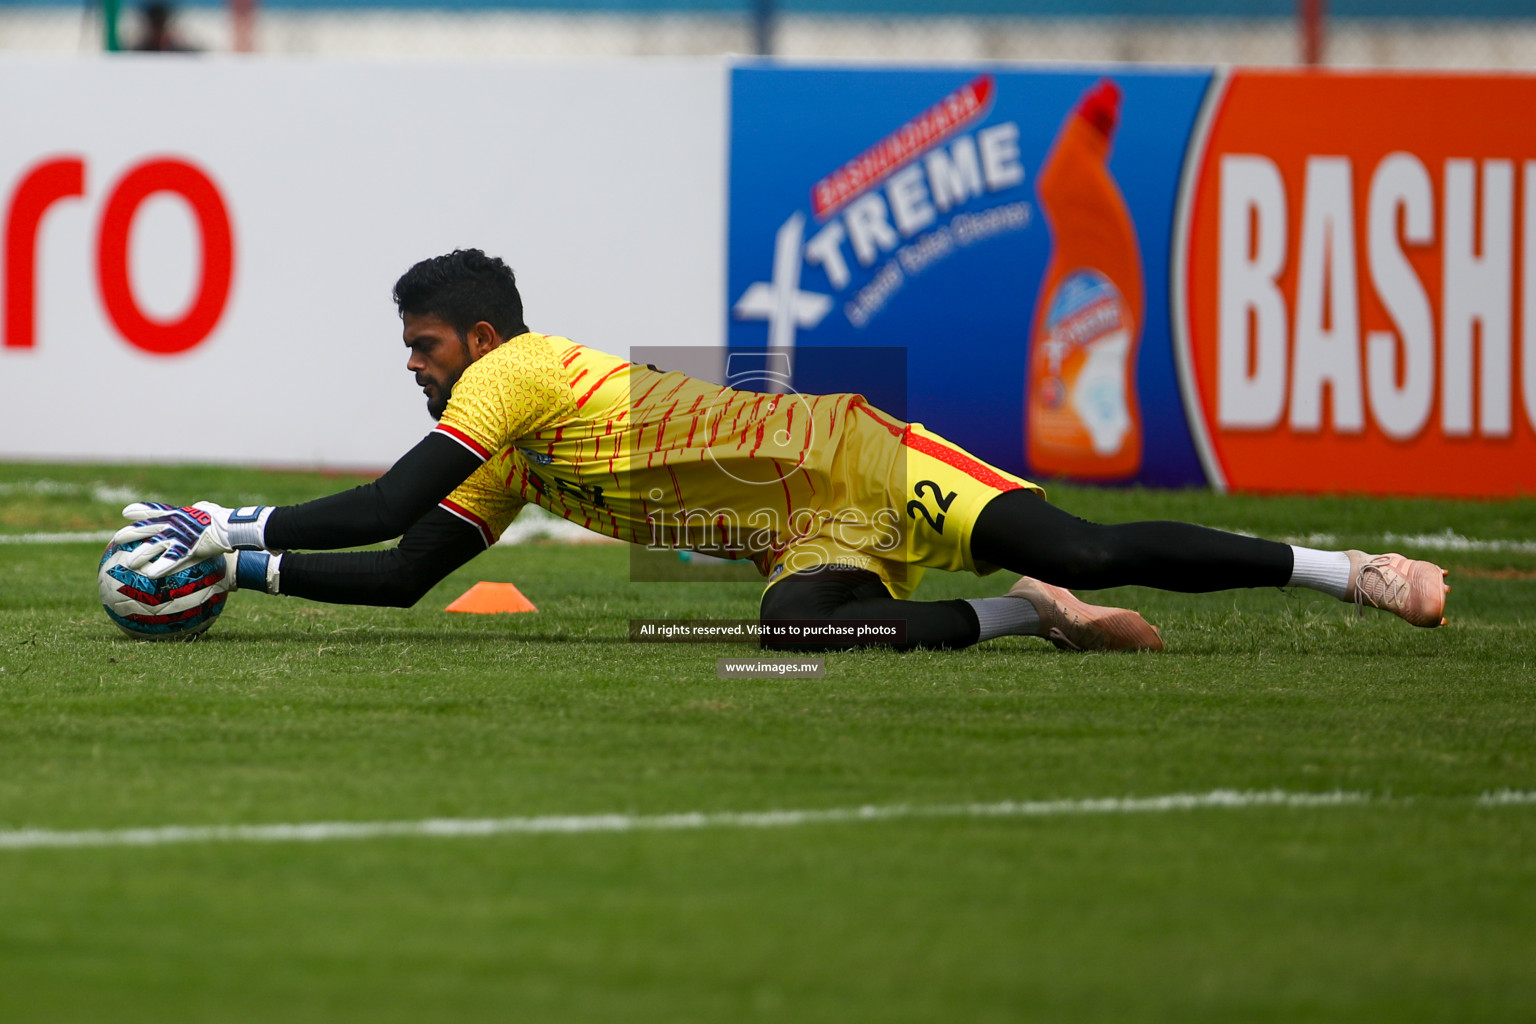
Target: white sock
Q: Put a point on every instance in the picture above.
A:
(1005, 616)
(1327, 571)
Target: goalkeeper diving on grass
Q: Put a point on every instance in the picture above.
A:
(840, 506)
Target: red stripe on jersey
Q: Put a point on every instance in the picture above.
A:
(809, 480)
(574, 351)
(756, 406)
(714, 430)
(972, 468)
(810, 426)
(661, 428)
(583, 399)
(867, 411)
(789, 503)
(677, 489)
(693, 427)
(640, 403)
(465, 440)
(469, 517)
(954, 457)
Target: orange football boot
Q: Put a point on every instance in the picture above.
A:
(1410, 589)
(1074, 625)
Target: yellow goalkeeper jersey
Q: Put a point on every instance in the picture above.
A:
(789, 481)
(638, 453)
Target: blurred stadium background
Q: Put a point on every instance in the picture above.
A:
(1376, 33)
(1404, 890)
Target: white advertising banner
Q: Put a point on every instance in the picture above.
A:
(199, 253)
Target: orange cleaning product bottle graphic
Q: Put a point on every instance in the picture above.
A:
(1081, 414)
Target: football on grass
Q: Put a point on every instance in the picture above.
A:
(176, 607)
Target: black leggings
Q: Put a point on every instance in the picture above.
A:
(1024, 534)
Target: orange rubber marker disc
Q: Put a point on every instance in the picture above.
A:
(489, 598)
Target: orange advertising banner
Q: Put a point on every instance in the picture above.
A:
(1354, 278)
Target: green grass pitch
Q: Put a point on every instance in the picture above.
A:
(1417, 905)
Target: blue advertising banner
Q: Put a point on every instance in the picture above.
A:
(1010, 229)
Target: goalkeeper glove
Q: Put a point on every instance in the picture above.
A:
(175, 538)
(254, 570)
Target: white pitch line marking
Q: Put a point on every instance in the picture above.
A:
(1445, 540)
(107, 494)
(526, 528)
(1449, 540)
(326, 831)
(519, 532)
(95, 536)
(536, 524)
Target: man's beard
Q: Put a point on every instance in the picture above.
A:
(436, 406)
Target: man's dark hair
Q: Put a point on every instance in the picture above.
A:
(461, 289)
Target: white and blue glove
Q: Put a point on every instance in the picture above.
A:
(254, 570)
(175, 538)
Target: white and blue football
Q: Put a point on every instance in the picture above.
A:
(177, 607)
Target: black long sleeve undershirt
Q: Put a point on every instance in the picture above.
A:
(435, 545)
(378, 511)
(401, 503)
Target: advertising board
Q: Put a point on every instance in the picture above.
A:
(1163, 276)
(1301, 282)
(1355, 290)
(199, 253)
(1010, 228)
